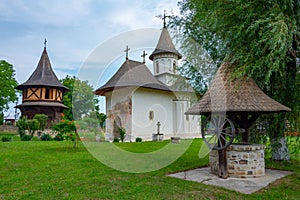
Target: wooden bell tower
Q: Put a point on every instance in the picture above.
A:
(42, 93)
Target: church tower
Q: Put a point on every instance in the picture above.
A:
(165, 63)
(165, 58)
(42, 93)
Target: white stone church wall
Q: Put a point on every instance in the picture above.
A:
(118, 104)
(159, 103)
(185, 126)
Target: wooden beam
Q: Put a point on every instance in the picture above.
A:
(222, 172)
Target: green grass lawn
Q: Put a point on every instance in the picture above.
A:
(55, 170)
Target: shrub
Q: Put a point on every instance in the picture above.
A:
(138, 139)
(46, 137)
(42, 118)
(59, 137)
(9, 123)
(22, 126)
(122, 133)
(67, 128)
(102, 118)
(26, 137)
(6, 139)
(116, 139)
(71, 137)
(33, 125)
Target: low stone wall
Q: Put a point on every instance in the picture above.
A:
(245, 161)
(6, 128)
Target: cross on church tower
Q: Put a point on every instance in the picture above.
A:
(144, 56)
(164, 18)
(127, 50)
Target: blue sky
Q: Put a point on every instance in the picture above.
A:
(75, 30)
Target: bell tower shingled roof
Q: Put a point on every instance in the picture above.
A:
(43, 75)
(165, 45)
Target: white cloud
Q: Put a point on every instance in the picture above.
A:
(54, 12)
(73, 29)
(142, 14)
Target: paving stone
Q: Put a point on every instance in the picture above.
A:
(243, 185)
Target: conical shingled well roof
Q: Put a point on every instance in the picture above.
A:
(165, 45)
(43, 75)
(227, 95)
(132, 74)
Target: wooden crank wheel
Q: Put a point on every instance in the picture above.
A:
(217, 132)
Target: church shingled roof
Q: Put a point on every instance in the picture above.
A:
(227, 95)
(165, 45)
(132, 74)
(43, 75)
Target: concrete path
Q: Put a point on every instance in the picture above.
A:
(243, 185)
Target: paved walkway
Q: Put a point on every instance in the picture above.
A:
(243, 185)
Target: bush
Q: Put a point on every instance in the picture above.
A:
(33, 125)
(6, 139)
(42, 118)
(59, 137)
(116, 139)
(9, 123)
(26, 137)
(46, 137)
(22, 126)
(67, 128)
(138, 139)
(122, 133)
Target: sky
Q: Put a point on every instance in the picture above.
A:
(85, 38)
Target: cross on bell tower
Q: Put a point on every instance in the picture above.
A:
(45, 43)
(127, 50)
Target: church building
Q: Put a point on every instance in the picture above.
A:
(42, 93)
(143, 102)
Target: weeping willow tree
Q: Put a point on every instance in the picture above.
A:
(260, 38)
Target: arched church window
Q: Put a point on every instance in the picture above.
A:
(157, 67)
(151, 115)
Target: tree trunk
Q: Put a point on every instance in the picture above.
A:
(280, 149)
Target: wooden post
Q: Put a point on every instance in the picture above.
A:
(223, 172)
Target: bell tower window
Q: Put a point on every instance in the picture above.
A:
(25, 94)
(48, 93)
(157, 67)
(174, 67)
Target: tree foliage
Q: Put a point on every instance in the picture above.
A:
(259, 38)
(42, 119)
(100, 116)
(80, 99)
(8, 84)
